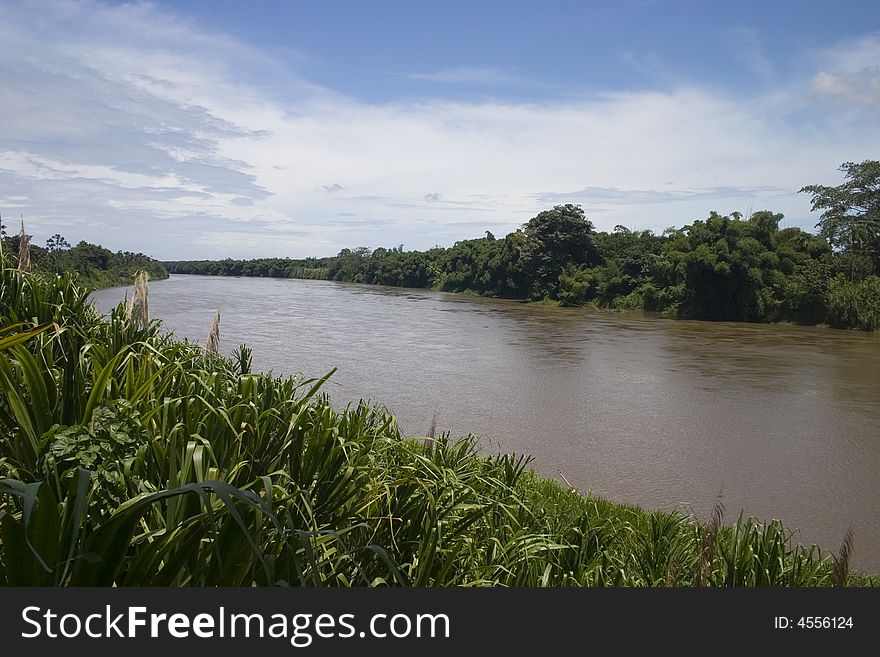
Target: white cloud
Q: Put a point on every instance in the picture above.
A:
(185, 144)
(474, 76)
(862, 87)
(851, 71)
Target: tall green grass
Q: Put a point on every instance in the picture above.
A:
(130, 458)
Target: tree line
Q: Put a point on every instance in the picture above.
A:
(312, 268)
(725, 267)
(95, 266)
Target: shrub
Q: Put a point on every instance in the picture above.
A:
(854, 304)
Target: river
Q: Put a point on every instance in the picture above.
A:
(782, 421)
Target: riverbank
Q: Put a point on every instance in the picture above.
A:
(218, 463)
(102, 280)
(724, 268)
(668, 313)
(97, 268)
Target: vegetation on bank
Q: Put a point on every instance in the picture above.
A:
(129, 458)
(95, 266)
(731, 268)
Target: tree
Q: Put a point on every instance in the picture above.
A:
(555, 240)
(87, 256)
(56, 243)
(737, 270)
(350, 265)
(850, 220)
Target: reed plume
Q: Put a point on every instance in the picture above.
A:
(432, 433)
(571, 488)
(841, 562)
(707, 544)
(137, 310)
(673, 571)
(212, 344)
(24, 251)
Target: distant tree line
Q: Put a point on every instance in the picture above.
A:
(96, 266)
(726, 267)
(313, 268)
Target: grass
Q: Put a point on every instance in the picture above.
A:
(546, 302)
(128, 458)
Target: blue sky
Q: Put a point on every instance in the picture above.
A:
(381, 51)
(211, 129)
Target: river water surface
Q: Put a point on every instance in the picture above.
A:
(783, 421)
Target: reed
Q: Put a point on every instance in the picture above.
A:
(137, 310)
(212, 343)
(432, 434)
(841, 562)
(24, 251)
(708, 542)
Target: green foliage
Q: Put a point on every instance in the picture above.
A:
(804, 293)
(349, 264)
(577, 285)
(854, 304)
(554, 240)
(308, 268)
(735, 269)
(851, 213)
(399, 268)
(107, 447)
(95, 266)
(486, 266)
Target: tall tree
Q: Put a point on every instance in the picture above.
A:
(850, 220)
(555, 240)
(56, 243)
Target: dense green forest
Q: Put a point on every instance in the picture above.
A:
(128, 458)
(95, 266)
(734, 267)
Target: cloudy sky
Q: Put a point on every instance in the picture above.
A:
(207, 129)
